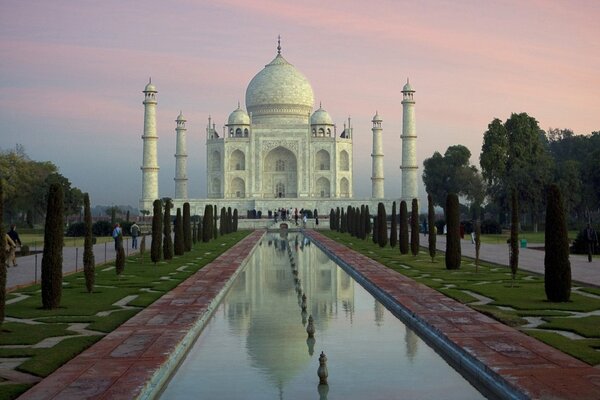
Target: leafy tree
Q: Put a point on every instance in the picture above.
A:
(53, 244)
(431, 227)
(382, 237)
(394, 227)
(187, 227)
(557, 267)
(403, 228)
(453, 251)
(514, 234)
(515, 156)
(414, 228)
(179, 245)
(451, 173)
(2, 255)
(156, 245)
(167, 239)
(89, 264)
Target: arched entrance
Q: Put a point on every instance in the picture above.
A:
(280, 174)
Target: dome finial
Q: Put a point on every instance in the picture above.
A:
(238, 104)
(150, 80)
(320, 106)
(278, 44)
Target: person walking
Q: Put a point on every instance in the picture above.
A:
(135, 232)
(10, 250)
(117, 235)
(14, 235)
(591, 238)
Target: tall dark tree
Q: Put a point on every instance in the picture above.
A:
(453, 251)
(120, 257)
(2, 255)
(557, 267)
(207, 223)
(375, 231)
(179, 245)
(223, 222)
(187, 227)
(394, 227)
(431, 227)
(215, 231)
(89, 264)
(414, 228)
(332, 220)
(477, 243)
(337, 219)
(235, 220)
(514, 234)
(363, 217)
(229, 220)
(342, 221)
(382, 236)
(403, 228)
(368, 227)
(156, 245)
(167, 239)
(349, 225)
(53, 243)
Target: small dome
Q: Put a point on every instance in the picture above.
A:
(407, 87)
(321, 117)
(238, 117)
(150, 87)
(377, 118)
(180, 117)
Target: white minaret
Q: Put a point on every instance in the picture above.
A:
(377, 155)
(150, 160)
(409, 145)
(181, 189)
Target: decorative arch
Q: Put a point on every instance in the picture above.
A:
(216, 186)
(238, 187)
(238, 132)
(215, 161)
(321, 132)
(344, 188)
(237, 161)
(344, 161)
(323, 187)
(280, 173)
(322, 160)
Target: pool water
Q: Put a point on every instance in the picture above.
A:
(255, 345)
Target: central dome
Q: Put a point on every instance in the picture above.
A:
(279, 89)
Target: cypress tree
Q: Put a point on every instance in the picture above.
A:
(403, 228)
(53, 244)
(229, 220)
(342, 221)
(394, 227)
(557, 267)
(2, 257)
(361, 223)
(142, 247)
(337, 219)
(194, 233)
(215, 231)
(477, 242)
(331, 217)
(120, 259)
(156, 245)
(89, 268)
(431, 227)
(368, 227)
(187, 227)
(207, 224)
(414, 228)
(357, 219)
(382, 237)
(375, 230)
(167, 239)
(514, 235)
(235, 220)
(127, 216)
(453, 252)
(349, 226)
(179, 239)
(222, 222)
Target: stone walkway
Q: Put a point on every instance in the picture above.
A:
(136, 357)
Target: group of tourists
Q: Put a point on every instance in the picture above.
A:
(284, 214)
(117, 234)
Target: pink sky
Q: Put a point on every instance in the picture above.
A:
(71, 75)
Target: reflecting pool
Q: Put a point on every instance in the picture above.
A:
(255, 346)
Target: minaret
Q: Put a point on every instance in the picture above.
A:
(409, 145)
(150, 158)
(181, 190)
(377, 155)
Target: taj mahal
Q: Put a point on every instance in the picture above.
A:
(278, 151)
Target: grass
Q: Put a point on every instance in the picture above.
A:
(511, 301)
(97, 309)
(531, 237)
(36, 240)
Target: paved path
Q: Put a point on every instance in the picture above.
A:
(529, 259)
(29, 269)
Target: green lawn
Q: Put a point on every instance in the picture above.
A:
(511, 302)
(531, 237)
(78, 306)
(36, 240)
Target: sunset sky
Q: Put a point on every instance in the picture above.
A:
(72, 72)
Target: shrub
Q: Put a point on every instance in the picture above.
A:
(490, 226)
(89, 268)
(557, 268)
(102, 228)
(403, 228)
(453, 252)
(53, 244)
(24, 250)
(76, 229)
(414, 228)
(580, 245)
